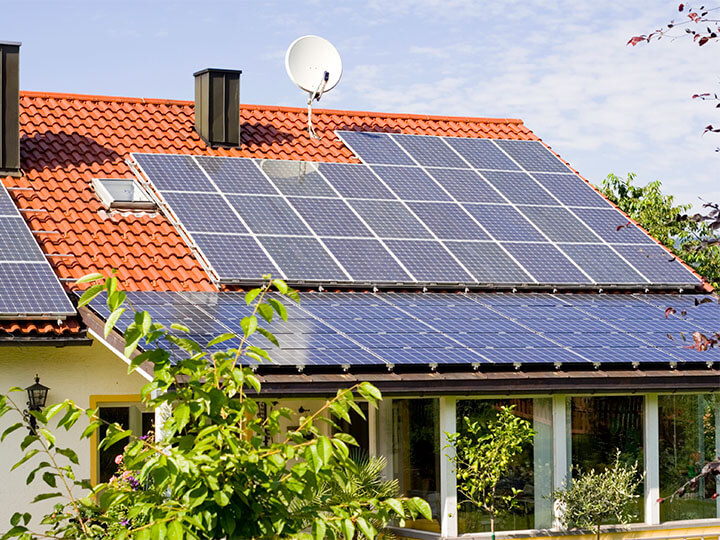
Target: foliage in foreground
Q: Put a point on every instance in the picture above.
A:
(213, 472)
(594, 498)
(688, 237)
(483, 454)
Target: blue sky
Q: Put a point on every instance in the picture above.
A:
(563, 67)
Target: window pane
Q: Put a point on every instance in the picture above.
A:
(530, 472)
(416, 456)
(121, 415)
(600, 427)
(687, 442)
(358, 428)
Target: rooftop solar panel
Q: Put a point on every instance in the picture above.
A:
(354, 182)
(519, 187)
(512, 200)
(657, 264)
(268, 215)
(375, 148)
(7, 206)
(482, 154)
(17, 242)
(236, 175)
(532, 156)
(236, 257)
(430, 151)
(466, 186)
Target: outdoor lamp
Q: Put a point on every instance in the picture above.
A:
(37, 394)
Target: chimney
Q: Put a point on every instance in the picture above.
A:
(9, 108)
(217, 106)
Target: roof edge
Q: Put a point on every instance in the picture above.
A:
(247, 106)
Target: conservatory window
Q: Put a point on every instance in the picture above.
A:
(688, 439)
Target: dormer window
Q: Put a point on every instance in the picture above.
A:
(123, 194)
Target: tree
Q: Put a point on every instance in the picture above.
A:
(594, 498)
(691, 238)
(215, 472)
(484, 454)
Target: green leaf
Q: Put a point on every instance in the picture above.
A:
(25, 458)
(9, 430)
(143, 321)
(180, 327)
(49, 437)
(157, 531)
(14, 532)
(89, 277)
(112, 319)
(175, 531)
(68, 453)
(44, 496)
(269, 336)
(348, 529)
(423, 507)
(324, 448)
(318, 529)
(279, 307)
(396, 506)
(143, 534)
(182, 415)
(281, 286)
(251, 295)
(90, 294)
(367, 529)
(266, 311)
(369, 392)
(49, 479)
(249, 325)
(52, 410)
(221, 338)
(312, 457)
(115, 300)
(221, 498)
(92, 427)
(133, 335)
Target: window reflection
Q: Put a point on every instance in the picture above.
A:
(687, 441)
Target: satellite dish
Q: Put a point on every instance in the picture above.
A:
(313, 64)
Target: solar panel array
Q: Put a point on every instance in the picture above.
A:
(28, 286)
(361, 329)
(419, 210)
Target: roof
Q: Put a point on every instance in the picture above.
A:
(66, 140)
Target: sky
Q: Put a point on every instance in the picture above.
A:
(563, 67)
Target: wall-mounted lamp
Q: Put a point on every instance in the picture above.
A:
(37, 395)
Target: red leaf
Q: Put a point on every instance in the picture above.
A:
(681, 7)
(694, 16)
(636, 39)
(669, 311)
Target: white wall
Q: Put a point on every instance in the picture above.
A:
(70, 373)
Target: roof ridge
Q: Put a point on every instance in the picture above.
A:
(248, 106)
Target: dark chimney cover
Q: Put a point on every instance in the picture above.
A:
(217, 106)
(9, 108)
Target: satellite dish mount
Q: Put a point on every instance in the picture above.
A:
(313, 64)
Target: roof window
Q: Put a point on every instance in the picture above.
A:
(123, 194)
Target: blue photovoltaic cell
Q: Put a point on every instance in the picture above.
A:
(571, 190)
(482, 154)
(504, 222)
(656, 264)
(375, 148)
(204, 212)
(366, 260)
(236, 175)
(448, 221)
(390, 219)
(488, 263)
(466, 186)
(234, 256)
(602, 264)
(297, 178)
(546, 263)
(519, 187)
(612, 226)
(7, 206)
(532, 156)
(17, 242)
(330, 217)
(174, 172)
(429, 261)
(411, 183)
(302, 258)
(354, 181)
(32, 289)
(558, 224)
(430, 151)
(268, 215)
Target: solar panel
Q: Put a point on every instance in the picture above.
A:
(430, 151)
(532, 155)
(448, 221)
(17, 242)
(7, 206)
(236, 175)
(512, 201)
(519, 187)
(354, 182)
(236, 257)
(466, 186)
(411, 183)
(656, 264)
(482, 154)
(376, 148)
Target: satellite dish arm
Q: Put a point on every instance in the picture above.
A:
(316, 95)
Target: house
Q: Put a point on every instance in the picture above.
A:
(456, 263)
